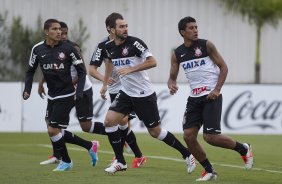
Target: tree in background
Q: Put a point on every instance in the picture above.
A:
(17, 42)
(259, 12)
(79, 34)
(5, 70)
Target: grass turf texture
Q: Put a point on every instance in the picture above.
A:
(20, 154)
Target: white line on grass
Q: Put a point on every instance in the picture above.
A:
(167, 158)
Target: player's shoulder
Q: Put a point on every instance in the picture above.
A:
(133, 39)
(38, 46)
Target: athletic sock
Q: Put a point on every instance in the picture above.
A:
(171, 140)
(56, 153)
(98, 128)
(132, 143)
(60, 146)
(207, 166)
(115, 141)
(123, 130)
(74, 139)
(240, 148)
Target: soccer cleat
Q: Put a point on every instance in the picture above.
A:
(207, 176)
(191, 163)
(115, 167)
(51, 160)
(248, 158)
(93, 152)
(137, 162)
(63, 166)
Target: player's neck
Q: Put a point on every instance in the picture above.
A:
(188, 43)
(51, 42)
(119, 41)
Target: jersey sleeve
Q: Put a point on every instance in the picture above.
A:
(98, 55)
(32, 66)
(141, 48)
(81, 71)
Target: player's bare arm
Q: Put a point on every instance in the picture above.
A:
(108, 72)
(150, 62)
(41, 90)
(219, 61)
(174, 69)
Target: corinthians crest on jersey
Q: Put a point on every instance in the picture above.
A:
(125, 51)
(198, 51)
(61, 56)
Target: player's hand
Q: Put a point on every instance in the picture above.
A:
(103, 92)
(173, 88)
(111, 81)
(123, 71)
(41, 91)
(26, 95)
(214, 94)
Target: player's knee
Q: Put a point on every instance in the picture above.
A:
(209, 138)
(84, 127)
(155, 132)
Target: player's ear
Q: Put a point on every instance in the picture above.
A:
(45, 32)
(182, 32)
(112, 30)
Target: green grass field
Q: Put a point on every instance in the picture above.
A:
(21, 153)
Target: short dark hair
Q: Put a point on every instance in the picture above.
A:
(182, 23)
(63, 25)
(49, 22)
(111, 19)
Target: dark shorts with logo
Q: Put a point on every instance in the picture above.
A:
(84, 107)
(203, 112)
(58, 111)
(131, 115)
(145, 108)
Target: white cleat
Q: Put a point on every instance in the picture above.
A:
(51, 160)
(191, 163)
(207, 176)
(115, 167)
(248, 158)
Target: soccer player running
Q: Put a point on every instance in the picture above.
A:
(130, 56)
(114, 86)
(206, 72)
(84, 107)
(55, 59)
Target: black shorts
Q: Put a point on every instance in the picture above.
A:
(146, 108)
(58, 111)
(201, 111)
(131, 115)
(84, 107)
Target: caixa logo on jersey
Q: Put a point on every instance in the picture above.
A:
(53, 66)
(245, 111)
(192, 64)
(121, 62)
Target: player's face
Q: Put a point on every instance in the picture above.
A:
(54, 32)
(191, 31)
(121, 30)
(64, 35)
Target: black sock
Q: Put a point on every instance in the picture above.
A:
(56, 153)
(123, 135)
(60, 146)
(132, 143)
(99, 128)
(171, 140)
(115, 141)
(74, 139)
(240, 148)
(207, 166)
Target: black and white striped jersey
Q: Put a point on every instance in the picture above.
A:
(129, 54)
(55, 63)
(202, 73)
